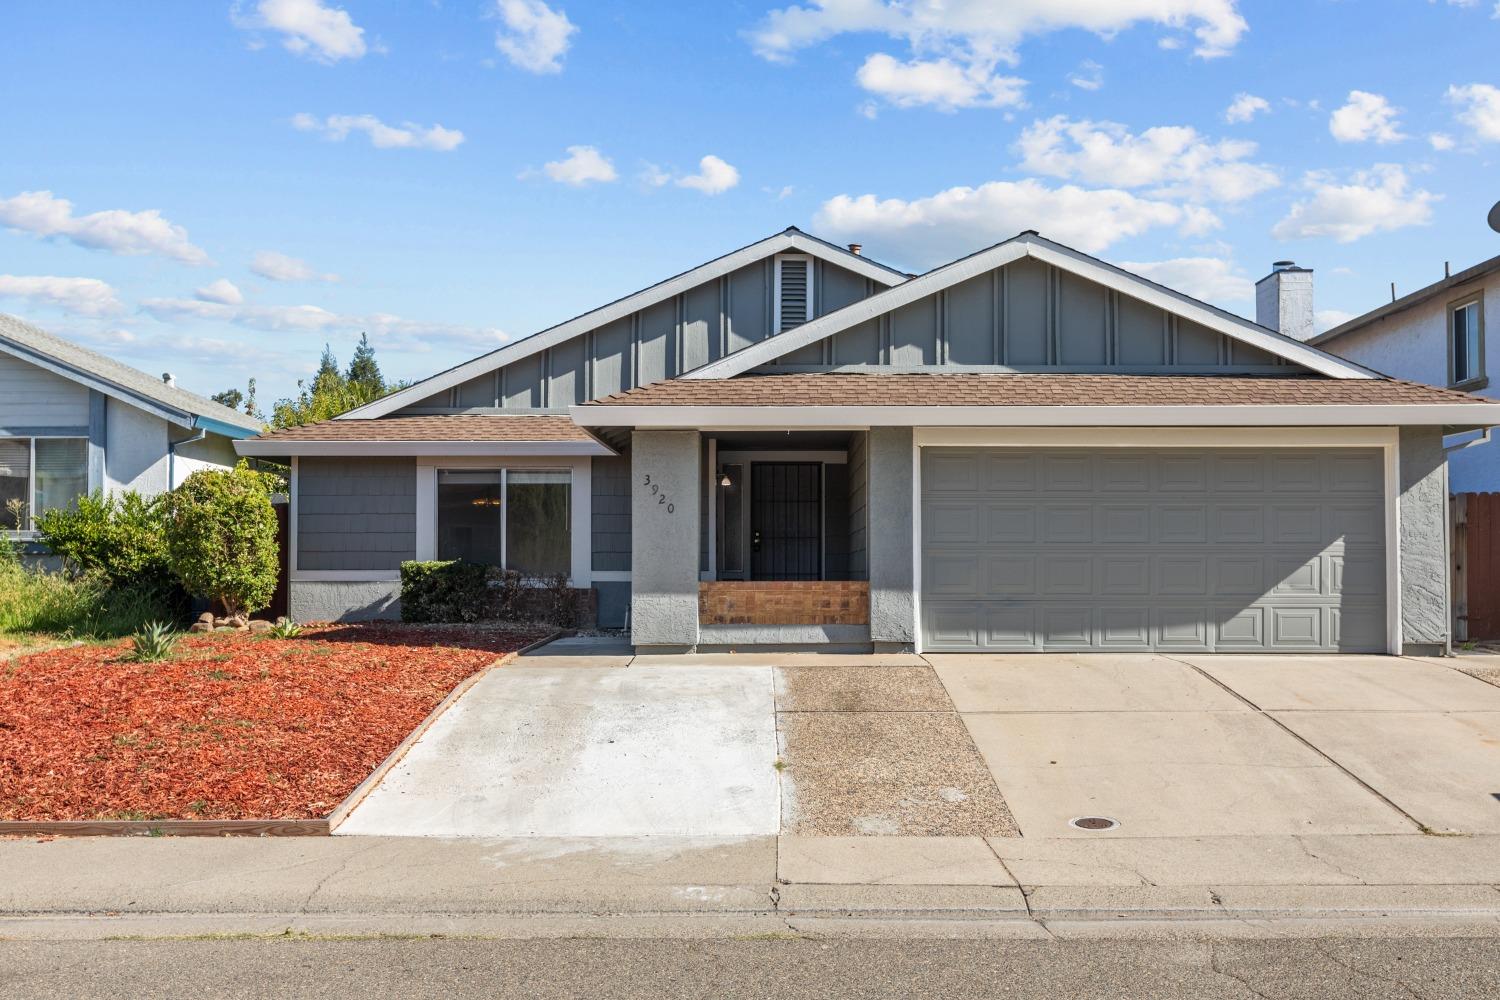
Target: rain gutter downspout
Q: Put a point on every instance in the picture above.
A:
(172, 455)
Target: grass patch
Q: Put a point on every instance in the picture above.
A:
(86, 607)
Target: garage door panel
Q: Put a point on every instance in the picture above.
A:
(1140, 549)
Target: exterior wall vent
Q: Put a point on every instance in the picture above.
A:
(794, 291)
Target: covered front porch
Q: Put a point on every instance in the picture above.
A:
(796, 547)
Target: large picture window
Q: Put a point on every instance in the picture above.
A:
(517, 518)
(38, 474)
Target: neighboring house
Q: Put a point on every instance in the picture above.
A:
(1025, 449)
(73, 421)
(1438, 335)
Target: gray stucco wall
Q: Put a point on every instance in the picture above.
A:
(859, 493)
(893, 620)
(322, 601)
(356, 513)
(1424, 540)
(664, 544)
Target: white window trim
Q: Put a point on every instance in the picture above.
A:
(580, 504)
(776, 299)
(1475, 302)
(29, 533)
(1386, 438)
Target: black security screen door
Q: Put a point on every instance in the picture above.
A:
(786, 521)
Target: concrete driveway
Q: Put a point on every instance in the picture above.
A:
(585, 740)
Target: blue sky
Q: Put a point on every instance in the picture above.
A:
(219, 188)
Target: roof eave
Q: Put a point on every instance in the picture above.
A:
(273, 447)
(667, 416)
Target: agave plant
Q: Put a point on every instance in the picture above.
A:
(153, 643)
(286, 628)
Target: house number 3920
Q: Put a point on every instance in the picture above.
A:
(662, 499)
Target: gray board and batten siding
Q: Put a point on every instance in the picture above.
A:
(662, 341)
(1030, 316)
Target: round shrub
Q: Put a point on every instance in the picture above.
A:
(221, 538)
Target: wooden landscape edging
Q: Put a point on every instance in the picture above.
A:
(259, 827)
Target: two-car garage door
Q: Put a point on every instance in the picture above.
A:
(1191, 549)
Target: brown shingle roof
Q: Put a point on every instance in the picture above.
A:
(975, 389)
(448, 427)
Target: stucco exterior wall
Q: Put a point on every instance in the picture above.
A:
(893, 617)
(1413, 344)
(321, 601)
(135, 450)
(1424, 541)
(213, 452)
(664, 542)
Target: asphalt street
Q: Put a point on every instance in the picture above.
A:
(455, 969)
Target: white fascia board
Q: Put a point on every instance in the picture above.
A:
(255, 447)
(856, 417)
(604, 315)
(1005, 253)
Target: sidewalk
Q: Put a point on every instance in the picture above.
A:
(93, 888)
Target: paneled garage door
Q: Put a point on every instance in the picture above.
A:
(1226, 549)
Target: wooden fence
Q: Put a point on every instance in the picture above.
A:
(1476, 565)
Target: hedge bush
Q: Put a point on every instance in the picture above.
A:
(445, 591)
(221, 538)
(122, 538)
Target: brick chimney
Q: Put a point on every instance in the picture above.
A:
(1284, 300)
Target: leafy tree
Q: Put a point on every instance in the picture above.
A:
(221, 537)
(231, 398)
(332, 392)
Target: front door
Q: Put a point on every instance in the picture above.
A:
(786, 521)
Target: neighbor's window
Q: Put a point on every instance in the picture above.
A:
(1467, 331)
(519, 519)
(538, 531)
(38, 474)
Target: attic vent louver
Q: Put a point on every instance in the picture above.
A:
(794, 292)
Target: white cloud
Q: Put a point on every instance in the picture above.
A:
(1211, 279)
(279, 267)
(308, 28)
(42, 213)
(222, 291)
(939, 83)
(714, 176)
(1365, 116)
(86, 296)
(1375, 200)
(1479, 106)
(1440, 141)
(409, 135)
(1327, 319)
(535, 36)
(956, 221)
(1089, 76)
(1175, 161)
(583, 165)
(990, 29)
(1244, 107)
(396, 331)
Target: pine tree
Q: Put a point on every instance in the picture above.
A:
(364, 370)
(231, 398)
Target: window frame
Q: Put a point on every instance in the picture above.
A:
(580, 514)
(1480, 379)
(30, 532)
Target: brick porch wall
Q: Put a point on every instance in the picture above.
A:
(784, 602)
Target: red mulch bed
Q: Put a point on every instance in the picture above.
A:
(232, 727)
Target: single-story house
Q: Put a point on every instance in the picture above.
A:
(1026, 449)
(1437, 335)
(73, 421)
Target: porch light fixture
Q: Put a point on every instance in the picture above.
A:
(724, 479)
